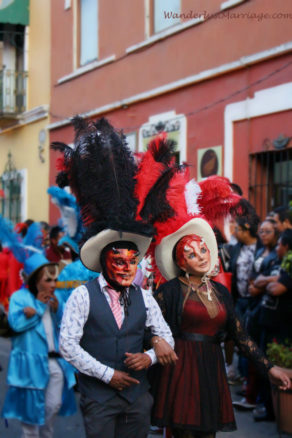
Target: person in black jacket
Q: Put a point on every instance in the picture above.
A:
(242, 258)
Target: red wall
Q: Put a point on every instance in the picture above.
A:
(210, 44)
(205, 127)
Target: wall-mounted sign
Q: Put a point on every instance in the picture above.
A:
(173, 124)
(209, 162)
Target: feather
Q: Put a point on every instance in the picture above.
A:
(12, 240)
(34, 236)
(156, 207)
(217, 198)
(63, 163)
(192, 192)
(100, 169)
(175, 192)
(69, 210)
(153, 166)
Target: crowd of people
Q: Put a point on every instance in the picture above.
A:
(93, 314)
(261, 288)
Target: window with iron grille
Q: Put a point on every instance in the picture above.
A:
(11, 202)
(270, 180)
(11, 182)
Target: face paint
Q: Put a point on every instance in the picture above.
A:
(121, 266)
(47, 281)
(192, 255)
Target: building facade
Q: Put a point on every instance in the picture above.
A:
(24, 109)
(217, 76)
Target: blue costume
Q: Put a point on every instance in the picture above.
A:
(28, 370)
(73, 275)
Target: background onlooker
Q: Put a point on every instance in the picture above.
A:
(54, 252)
(283, 218)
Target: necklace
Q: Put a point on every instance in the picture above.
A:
(199, 289)
(205, 294)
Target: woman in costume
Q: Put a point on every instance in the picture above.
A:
(40, 381)
(192, 397)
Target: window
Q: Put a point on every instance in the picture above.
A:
(10, 185)
(270, 180)
(12, 75)
(165, 14)
(13, 187)
(88, 31)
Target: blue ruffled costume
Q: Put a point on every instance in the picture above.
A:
(28, 371)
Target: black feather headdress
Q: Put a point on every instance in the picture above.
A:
(100, 171)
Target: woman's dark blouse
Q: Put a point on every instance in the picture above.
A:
(170, 299)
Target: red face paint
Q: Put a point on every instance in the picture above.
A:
(121, 266)
(192, 255)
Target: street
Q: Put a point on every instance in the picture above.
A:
(72, 426)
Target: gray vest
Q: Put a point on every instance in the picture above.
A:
(103, 340)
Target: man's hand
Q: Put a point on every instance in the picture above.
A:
(261, 281)
(164, 353)
(54, 303)
(275, 289)
(137, 361)
(254, 291)
(29, 312)
(121, 380)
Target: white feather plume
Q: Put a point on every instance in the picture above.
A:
(192, 192)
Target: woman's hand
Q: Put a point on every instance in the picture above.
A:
(164, 353)
(279, 378)
(29, 312)
(53, 303)
(43, 296)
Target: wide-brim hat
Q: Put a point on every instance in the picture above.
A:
(33, 263)
(92, 248)
(164, 251)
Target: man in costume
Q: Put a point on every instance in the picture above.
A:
(104, 324)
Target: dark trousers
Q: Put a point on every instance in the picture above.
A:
(117, 418)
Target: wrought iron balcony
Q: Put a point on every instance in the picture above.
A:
(13, 86)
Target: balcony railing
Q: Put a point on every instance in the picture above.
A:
(13, 86)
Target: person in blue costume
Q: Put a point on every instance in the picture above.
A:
(73, 275)
(40, 381)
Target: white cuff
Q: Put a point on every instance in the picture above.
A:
(152, 355)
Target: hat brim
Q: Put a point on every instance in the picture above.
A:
(163, 251)
(92, 248)
(30, 276)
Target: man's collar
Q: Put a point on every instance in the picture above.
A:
(102, 281)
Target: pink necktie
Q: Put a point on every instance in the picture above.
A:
(115, 305)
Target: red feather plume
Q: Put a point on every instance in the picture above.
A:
(217, 197)
(149, 170)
